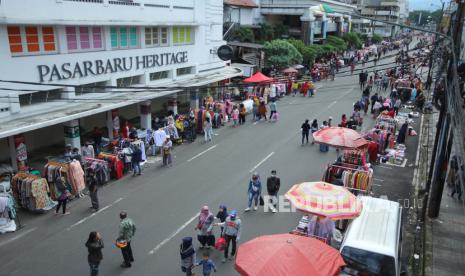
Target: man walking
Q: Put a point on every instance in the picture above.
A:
(272, 184)
(93, 188)
(305, 131)
(127, 229)
(232, 233)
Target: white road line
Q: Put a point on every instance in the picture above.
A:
(377, 185)
(94, 214)
(331, 104)
(377, 179)
(384, 167)
(261, 162)
(18, 236)
(170, 237)
(203, 152)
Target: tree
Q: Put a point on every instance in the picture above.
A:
(308, 54)
(281, 54)
(376, 38)
(353, 39)
(338, 43)
(266, 31)
(280, 31)
(414, 16)
(245, 34)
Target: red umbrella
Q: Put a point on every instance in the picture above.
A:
(287, 254)
(258, 78)
(340, 137)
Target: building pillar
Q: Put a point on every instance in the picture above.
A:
(324, 27)
(113, 124)
(145, 110)
(72, 134)
(173, 105)
(311, 34)
(18, 152)
(194, 104)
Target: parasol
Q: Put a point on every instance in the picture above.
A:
(340, 137)
(258, 78)
(324, 200)
(287, 254)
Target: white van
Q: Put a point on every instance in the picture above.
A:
(372, 243)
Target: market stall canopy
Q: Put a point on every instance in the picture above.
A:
(290, 70)
(287, 254)
(340, 137)
(324, 200)
(298, 66)
(258, 78)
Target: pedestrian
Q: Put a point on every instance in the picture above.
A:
(242, 113)
(305, 131)
(222, 215)
(207, 130)
(254, 191)
(397, 105)
(232, 234)
(273, 183)
(127, 229)
(255, 112)
(97, 135)
(295, 88)
(93, 188)
(136, 158)
(64, 194)
(94, 246)
(343, 121)
(273, 110)
(167, 146)
(330, 120)
(373, 99)
(366, 103)
(204, 228)
(207, 264)
(352, 68)
(88, 150)
(187, 253)
(262, 110)
(235, 116)
(311, 88)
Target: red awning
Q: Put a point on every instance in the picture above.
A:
(258, 78)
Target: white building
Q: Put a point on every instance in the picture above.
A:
(79, 45)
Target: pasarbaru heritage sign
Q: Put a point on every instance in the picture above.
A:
(81, 69)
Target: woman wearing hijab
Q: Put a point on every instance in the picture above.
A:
(205, 226)
(187, 255)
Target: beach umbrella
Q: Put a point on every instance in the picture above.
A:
(340, 137)
(287, 254)
(324, 200)
(258, 78)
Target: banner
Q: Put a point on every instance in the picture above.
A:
(116, 124)
(21, 151)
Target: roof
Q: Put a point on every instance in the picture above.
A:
(241, 3)
(376, 229)
(245, 44)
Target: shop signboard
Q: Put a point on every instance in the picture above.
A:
(21, 151)
(71, 131)
(317, 27)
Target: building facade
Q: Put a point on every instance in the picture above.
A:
(68, 58)
(392, 11)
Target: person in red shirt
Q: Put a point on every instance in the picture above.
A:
(373, 151)
(343, 121)
(392, 113)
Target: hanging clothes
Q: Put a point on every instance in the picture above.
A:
(76, 177)
(31, 192)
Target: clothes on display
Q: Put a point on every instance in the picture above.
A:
(31, 192)
(7, 208)
(354, 156)
(350, 176)
(56, 174)
(159, 137)
(115, 164)
(76, 177)
(100, 168)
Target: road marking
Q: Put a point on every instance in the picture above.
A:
(331, 104)
(94, 214)
(203, 152)
(18, 236)
(261, 162)
(256, 122)
(384, 167)
(378, 185)
(377, 179)
(170, 237)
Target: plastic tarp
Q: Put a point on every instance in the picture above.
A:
(258, 78)
(287, 254)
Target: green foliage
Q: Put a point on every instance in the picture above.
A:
(280, 30)
(281, 54)
(353, 39)
(415, 15)
(338, 43)
(245, 34)
(376, 38)
(266, 31)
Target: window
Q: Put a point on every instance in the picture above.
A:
(31, 39)
(184, 71)
(155, 36)
(124, 37)
(83, 38)
(159, 75)
(182, 35)
(129, 81)
(39, 97)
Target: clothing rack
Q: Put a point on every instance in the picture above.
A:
(31, 191)
(357, 181)
(115, 164)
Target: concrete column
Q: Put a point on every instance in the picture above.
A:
(145, 111)
(194, 103)
(68, 93)
(311, 34)
(72, 135)
(109, 124)
(324, 23)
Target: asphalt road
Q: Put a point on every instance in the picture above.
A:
(163, 202)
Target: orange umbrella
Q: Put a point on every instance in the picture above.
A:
(287, 254)
(340, 137)
(324, 200)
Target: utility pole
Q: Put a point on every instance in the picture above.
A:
(445, 139)
(429, 78)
